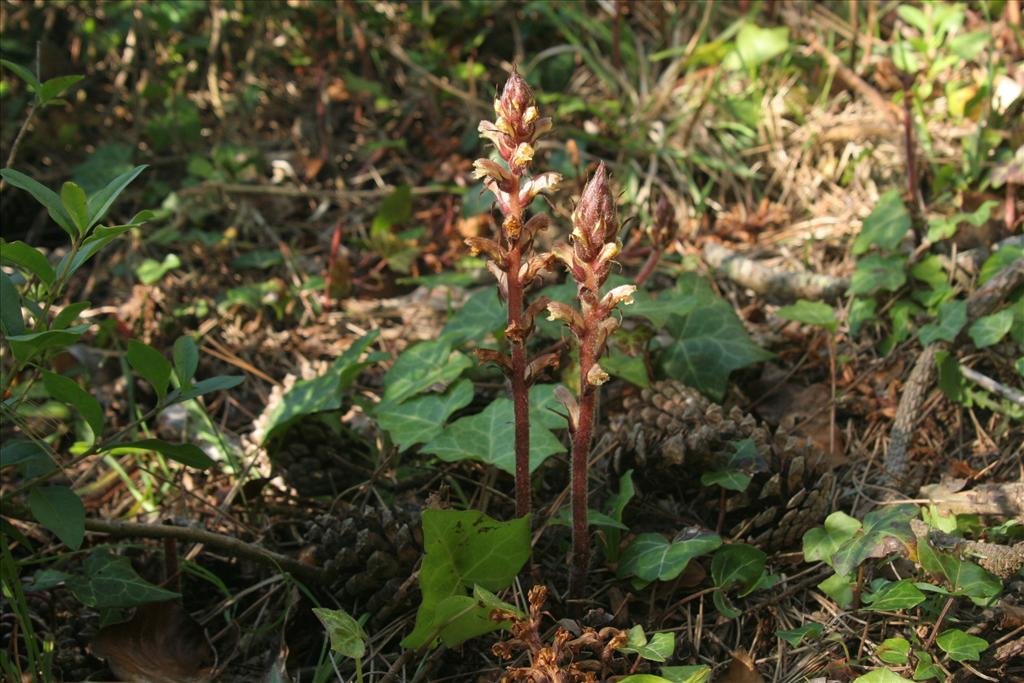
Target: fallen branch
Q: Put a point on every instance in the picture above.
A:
(1002, 560)
(981, 303)
(228, 544)
(989, 384)
(773, 281)
(1005, 499)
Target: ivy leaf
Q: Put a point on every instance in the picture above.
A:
(839, 588)
(961, 646)
(711, 342)
(810, 313)
(420, 419)
(394, 210)
(321, 393)
(881, 676)
(888, 222)
(894, 596)
(651, 557)
(60, 510)
(465, 550)
(965, 578)
(110, 581)
(894, 651)
(347, 636)
(480, 315)
(925, 669)
(952, 317)
(630, 368)
(878, 273)
(489, 437)
(989, 329)
(658, 649)
(658, 309)
(420, 367)
(796, 636)
(883, 532)
(821, 543)
(738, 564)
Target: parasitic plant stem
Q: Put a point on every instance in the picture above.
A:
(516, 127)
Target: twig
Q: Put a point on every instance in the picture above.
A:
(986, 382)
(227, 544)
(290, 191)
(776, 282)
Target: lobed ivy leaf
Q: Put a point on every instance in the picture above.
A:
(821, 543)
(989, 329)
(489, 437)
(839, 588)
(961, 646)
(740, 564)
(651, 557)
(711, 342)
(420, 419)
(420, 367)
(925, 668)
(894, 651)
(883, 532)
(965, 578)
(658, 649)
(480, 315)
(885, 226)
(894, 596)
(658, 308)
(810, 313)
(463, 551)
(321, 393)
(60, 510)
(878, 273)
(881, 676)
(347, 636)
(952, 318)
(110, 581)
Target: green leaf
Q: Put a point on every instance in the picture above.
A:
(965, 578)
(151, 365)
(989, 329)
(55, 87)
(28, 258)
(347, 636)
(68, 315)
(711, 342)
(651, 557)
(21, 451)
(186, 359)
(28, 345)
(883, 532)
(321, 393)
(796, 636)
(489, 437)
(894, 650)
(952, 317)
(44, 195)
(881, 676)
(894, 596)
(878, 273)
(861, 311)
(756, 46)
(810, 313)
(481, 315)
(464, 550)
(99, 238)
(627, 367)
(185, 453)
(394, 210)
(420, 367)
(110, 582)
(209, 385)
(24, 74)
(420, 419)
(925, 669)
(738, 564)
(731, 480)
(885, 226)
(700, 673)
(658, 308)
(60, 510)
(961, 646)
(658, 649)
(101, 201)
(11, 321)
(821, 543)
(67, 390)
(839, 588)
(151, 271)
(999, 260)
(72, 197)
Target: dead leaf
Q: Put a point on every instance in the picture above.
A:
(741, 670)
(160, 644)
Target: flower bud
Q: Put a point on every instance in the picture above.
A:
(595, 221)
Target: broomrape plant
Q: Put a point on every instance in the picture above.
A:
(594, 244)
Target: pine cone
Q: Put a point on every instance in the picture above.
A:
(672, 434)
(372, 552)
(317, 460)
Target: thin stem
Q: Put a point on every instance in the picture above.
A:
(580, 456)
(520, 397)
(649, 265)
